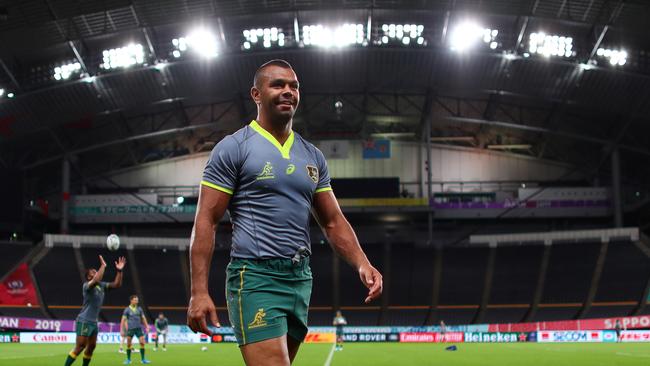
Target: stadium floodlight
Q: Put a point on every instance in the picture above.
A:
(586, 66)
(2, 92)
(615, 57)
(64, 72)
(404, 34)
(200, 41)
(345, 35)
(467, 34)
(123, 57)
(263, 37)
(550, 45)
(10, 95)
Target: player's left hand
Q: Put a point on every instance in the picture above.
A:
(120, 263)
(373, 280)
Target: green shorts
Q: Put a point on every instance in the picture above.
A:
(339, 331)
(134, 332)
(268, 298)
(86, 329)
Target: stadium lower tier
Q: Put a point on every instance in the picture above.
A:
(422, 285)
(358, 334)
(412, 316)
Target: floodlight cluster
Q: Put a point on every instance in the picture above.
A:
(8, 95)
(123, 57)
(345, 35)
(467, 35)
(267, 37)
(550, 45)
(615, 57)
(405, 34)
(200, 41)
(463, 36)
(64, 72)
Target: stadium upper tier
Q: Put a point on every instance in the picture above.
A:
(506, 282)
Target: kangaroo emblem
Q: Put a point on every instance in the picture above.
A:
(258, 321)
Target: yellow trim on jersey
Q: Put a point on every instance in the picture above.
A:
(324, 189)
(241, 314)
(284, 149)
(218, 188)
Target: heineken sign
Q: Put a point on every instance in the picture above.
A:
(480, 337)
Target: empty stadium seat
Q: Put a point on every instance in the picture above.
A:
(569, 274)
(58, 277)
(625, 274)
(10, 255)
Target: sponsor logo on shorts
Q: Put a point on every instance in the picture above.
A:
(258, 321)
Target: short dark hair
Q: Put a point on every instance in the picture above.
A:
(132, 297)
(274, 62)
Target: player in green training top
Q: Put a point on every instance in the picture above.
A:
(132, 321)
(93, 298)
(162, 325)
(270, 179)
(339, 322)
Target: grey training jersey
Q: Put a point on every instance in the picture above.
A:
(93, 298)
(161, 324)
(272, 188)
(133, 317)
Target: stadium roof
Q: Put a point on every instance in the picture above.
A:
(503, 97)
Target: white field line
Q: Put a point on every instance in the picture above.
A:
(331, 355)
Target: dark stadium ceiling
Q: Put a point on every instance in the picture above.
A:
(562, 108)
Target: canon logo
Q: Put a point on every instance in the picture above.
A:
(50, 338)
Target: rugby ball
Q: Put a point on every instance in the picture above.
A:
(113, 242)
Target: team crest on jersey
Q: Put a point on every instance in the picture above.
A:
(258, 320)
(267, 172)
(313, 173)
(290, 169)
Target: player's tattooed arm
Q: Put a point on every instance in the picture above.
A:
(99, 274)
(119, 266)
(211, 207)
(146, 324)
(344, 241)
(124, 325)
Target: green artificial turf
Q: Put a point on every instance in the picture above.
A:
(375, 354)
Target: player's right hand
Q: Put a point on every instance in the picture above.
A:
(200, 307)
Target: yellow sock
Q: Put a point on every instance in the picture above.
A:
(72, 354)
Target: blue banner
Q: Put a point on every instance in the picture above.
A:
(376, 149)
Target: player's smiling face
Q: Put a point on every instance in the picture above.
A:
(278, 93)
